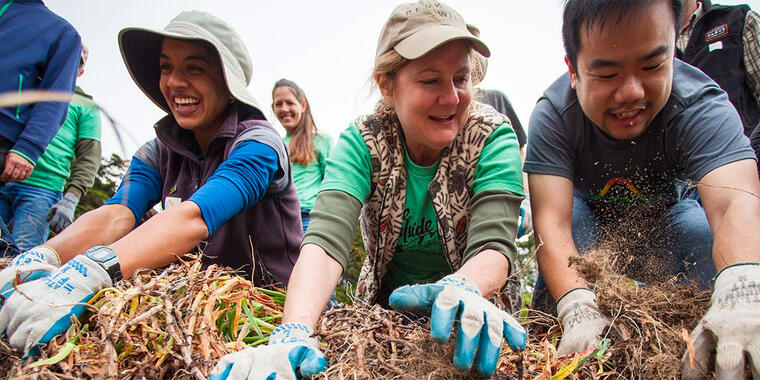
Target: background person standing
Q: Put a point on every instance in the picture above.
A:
(34, 206)
(31, 58)
(307, 147)
(724, 42)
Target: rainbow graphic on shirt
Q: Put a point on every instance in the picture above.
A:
(607, 186)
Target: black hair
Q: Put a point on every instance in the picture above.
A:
(579, 13)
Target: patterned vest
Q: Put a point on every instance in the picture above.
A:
(450, 191)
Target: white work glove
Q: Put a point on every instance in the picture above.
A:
(732, 322)
(62, 213)
(55, 298)
(482, 325)
(582, 322)
(525, 219)
(28, 266)
(290, 350)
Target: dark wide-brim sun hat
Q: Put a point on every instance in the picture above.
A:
(141, 49)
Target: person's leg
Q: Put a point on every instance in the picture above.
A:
(31, 205)
(8, 247)
(585, 237)
(690, 249)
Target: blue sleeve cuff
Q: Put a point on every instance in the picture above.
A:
(140, 188)
(237, 183)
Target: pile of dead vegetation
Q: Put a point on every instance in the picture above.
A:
(173, 323)
(177, 322)
(650, 323)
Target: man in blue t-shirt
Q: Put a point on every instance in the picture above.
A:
(621, 142)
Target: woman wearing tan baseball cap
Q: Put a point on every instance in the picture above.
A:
(435, 180)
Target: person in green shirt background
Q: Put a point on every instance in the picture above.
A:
(308, 148)
(32, 207)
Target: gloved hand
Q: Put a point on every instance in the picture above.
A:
(291, 348)
(732, 322)
(54, 299)
(28, 266)
(62, 213)
(482, 325)
(525, 220)
(582, 322)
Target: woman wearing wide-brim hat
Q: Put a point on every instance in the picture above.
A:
(218, 168)
(435, 180)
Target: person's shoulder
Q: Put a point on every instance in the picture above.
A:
(42, 14)
(691, 85)
(560, 94)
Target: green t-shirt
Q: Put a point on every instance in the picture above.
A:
(419, 257)
(307, 178)
(54, 165)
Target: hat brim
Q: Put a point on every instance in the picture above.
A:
(141, 49)
(426, 40)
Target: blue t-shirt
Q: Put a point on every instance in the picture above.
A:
(697, 131)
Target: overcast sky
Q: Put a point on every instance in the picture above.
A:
(326, 46)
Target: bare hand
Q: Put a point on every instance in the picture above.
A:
(17, 168)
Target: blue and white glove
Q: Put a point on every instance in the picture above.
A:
(62, 213)
(482, 325)
(291, 350)
(52, 301)
(28, 266)
(730, 327)
(525, 219)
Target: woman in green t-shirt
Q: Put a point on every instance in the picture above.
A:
(308, 148)
(435, 180)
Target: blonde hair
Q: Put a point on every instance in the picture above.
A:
(389, 63)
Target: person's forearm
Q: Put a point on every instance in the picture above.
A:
(555, 247)
(313, 279)
(101, 226)
(161, 239)
(85, 166)
(488, 269)
(733, 241)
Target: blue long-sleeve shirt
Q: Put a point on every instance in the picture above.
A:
(240, 181)
(39, 50)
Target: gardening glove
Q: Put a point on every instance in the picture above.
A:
(525, 220)
(62, 213)
(732, 322)
(291, 352)
(41, 309)
(482, 324)
(28, 266)
(582, 322)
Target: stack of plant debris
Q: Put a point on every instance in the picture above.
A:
(178, 322)
(173, 323)
(651, 324)
(650, 328)
(365, 342)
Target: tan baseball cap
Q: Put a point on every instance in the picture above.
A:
(415, 29)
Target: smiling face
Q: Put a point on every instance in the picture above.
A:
(431, 96)
(625, 71)
(287, 108)
(192, 83)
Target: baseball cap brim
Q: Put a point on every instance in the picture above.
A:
(141, 49)
(426, 40)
